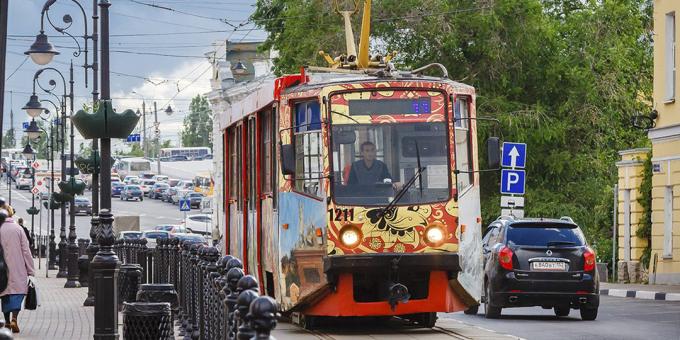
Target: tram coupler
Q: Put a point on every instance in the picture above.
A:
(398, 293)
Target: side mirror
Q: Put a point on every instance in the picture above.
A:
(493, 151)
(287, 159)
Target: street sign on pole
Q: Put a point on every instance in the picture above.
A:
(512, 181)
(517, 213)
(25, 125)
(184, 205)
(514, 202)
(514, 155)
(35, 165)
(35, 190)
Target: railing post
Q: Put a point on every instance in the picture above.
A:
(183, 296)
(210, 256)
(263, 314)
(142, 260)
(192, 322)
(233, 276)
(242, 317)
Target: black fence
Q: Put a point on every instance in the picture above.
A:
(40, 244)
(207, 293)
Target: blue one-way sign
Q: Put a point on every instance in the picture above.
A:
(184, 205)
(25, 125)
(514, 155)
(512, 181)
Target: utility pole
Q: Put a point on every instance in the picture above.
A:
(158, 137)
(4, 5)
(144, 143)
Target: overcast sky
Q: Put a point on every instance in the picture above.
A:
(157, 53)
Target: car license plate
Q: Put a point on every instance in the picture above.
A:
(549, 266)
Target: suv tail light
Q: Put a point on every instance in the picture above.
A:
(588, 260)
(505, 258)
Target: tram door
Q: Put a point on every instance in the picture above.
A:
(252, 198)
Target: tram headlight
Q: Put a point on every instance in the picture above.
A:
(435, 235)
(350, 236)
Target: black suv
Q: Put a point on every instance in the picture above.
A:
(539, 262)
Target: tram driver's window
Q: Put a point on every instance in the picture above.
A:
(463, 149)
(308, 160)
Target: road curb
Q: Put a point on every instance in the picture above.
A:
(641, 294)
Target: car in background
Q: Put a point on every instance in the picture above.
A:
(24, 181)
(160, 178)
(203, 157)
(116, 188)
(157, 190)
(82, 205)
(190, 237)
(178, 158)
(131, 192)
(152, 235)
(168, 194)
(185, 185)
(165, 159)
(147, 175)
(146, 186)
(172, 228)
(539, 262)
(129, 235)
(195, 199)
(179, 195)
(173, 181)
(199, 223)
(131, 180)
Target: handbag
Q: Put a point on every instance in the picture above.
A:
(31, 302)
(4, 277)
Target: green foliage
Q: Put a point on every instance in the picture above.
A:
(135, 151)
(9, 140)
(644, 230)
(563, 76)
(198, 123)
(166, 144)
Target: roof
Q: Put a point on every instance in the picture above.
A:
(528, 220)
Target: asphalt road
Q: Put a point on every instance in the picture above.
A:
(618, 318)
(151, 212)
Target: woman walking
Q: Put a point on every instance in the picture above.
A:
(19, 267)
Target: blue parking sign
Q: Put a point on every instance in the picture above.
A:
(25, 125)
(512, 181)
(514, 155)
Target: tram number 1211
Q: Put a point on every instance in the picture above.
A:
(341, 215)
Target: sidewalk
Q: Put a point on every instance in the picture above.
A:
(642, 291)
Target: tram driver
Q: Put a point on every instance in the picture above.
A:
(369, 171)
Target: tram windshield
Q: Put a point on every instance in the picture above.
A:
(373, 162)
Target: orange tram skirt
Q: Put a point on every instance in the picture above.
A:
(441, 298)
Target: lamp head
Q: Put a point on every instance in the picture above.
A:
(169, 111)
(28, 152)
(41, 51)
(33, 107)
(33, 131)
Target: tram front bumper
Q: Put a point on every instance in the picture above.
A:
(448, 262)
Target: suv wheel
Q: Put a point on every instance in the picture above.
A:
(561, 310)
(490, 311)
(588, 314)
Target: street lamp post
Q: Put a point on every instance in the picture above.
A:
(157, 132)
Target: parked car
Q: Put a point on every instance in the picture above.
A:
(129, 235)
(116, 188)
(146, 186)
(24, 181)
(82, 205)
(160, 178)
(168, 194)
(130, 192)
(152, 235)
(539, 262)
(157, 190)
(195, 199)
(199, 223)
(191, 237)
(178, 158)
(172, 228)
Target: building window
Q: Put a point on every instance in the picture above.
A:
(308, 160)
(668, 223)
(463, 150)
(670, 56)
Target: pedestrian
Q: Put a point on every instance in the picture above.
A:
(7, 207)
(19, 267)
(20, 220)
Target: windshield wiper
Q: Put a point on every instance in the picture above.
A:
(403, 191)
(346, 116)
(561, 243)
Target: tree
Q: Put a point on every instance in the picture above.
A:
(9, 139)
(564, 76)
(198, 123)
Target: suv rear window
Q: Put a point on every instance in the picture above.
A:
(542, 235)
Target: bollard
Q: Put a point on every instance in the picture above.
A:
(263, 315)
(84, 266)
(128, 283)
(233, 276)
(245, 332)
(159, 292)
(147, 320)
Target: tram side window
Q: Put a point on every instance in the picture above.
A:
(266, 153)
(463, 149)
(235, 189)
(308, 160)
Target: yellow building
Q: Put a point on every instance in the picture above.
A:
(665, 139)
